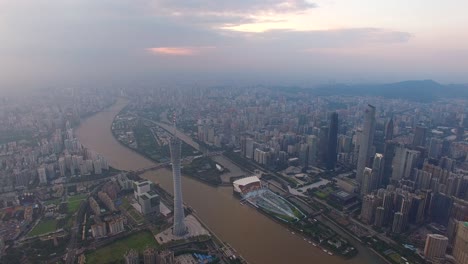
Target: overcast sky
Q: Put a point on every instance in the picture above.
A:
(121, 42)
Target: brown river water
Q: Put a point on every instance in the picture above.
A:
(255, 236)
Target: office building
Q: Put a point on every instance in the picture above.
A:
(377, 170)
(141, 187)
(367, 181)
(332, 142)
(419, 138)
(366, 142)
(389, 130)
(404, 162)
(389, 154)
(149, 202)
(312, 144)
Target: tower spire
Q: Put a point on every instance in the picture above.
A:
(174, 122)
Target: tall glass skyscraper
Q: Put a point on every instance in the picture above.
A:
(367, 140)
(332, 141)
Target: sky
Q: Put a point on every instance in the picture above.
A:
(141, 42)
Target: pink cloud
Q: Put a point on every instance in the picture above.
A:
(177, 51)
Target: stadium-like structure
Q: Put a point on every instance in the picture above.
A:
(251, 190)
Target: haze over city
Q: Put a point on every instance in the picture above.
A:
(118, 42)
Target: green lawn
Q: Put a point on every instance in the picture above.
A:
(54, 201)
(115, 251)
(44, 226)
(73, 206)
(74, 202)
(323, 193)
(78, 197)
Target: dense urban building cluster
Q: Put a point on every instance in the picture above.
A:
(40, 158)
(404, 162)
(392, 172)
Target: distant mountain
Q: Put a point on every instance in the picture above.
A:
(423, 91)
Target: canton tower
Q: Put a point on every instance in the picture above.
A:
(179, 228)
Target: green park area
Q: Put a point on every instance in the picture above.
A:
(54, 201)
(323, 193)
(74, 202)
(43, 227)
(114, 252)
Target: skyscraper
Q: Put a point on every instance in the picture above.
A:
(312, 143)
(379, 216)
(323, 144)
(366, 141)
(389, 130)
(332, 141)
(179, 228)
(377, 170)
(398, 223)
(369, 204)
(367, 181)
(389, 154)
(419, 138)
(404, 162)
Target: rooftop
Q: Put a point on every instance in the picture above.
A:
(246, 180)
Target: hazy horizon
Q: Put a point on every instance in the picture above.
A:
(76, 43)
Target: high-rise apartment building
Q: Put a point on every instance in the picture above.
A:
(460, 250)
(435, 247)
